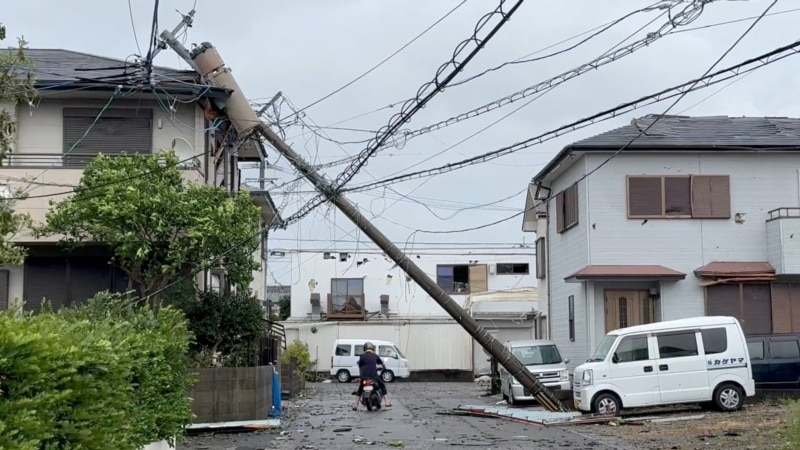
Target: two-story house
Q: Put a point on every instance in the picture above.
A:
(697, 216)
(87, 105)
(362, 294)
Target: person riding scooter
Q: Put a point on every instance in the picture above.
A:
(368, 364)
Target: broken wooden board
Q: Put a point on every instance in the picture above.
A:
(244, 425)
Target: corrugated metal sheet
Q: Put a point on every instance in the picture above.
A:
(428, 344)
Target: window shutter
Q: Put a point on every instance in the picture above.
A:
(478, 278)
(756, 308)
(711, 197)
(116, 131)
(560, 212)
(677, 196)
(644, 197)
(781, 308)
(571, 206)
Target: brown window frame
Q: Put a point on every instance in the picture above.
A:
(709, 197)
(567, 209)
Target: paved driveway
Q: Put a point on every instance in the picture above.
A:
(414, 421)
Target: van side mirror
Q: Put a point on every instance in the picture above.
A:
(566, 361)
(614, 358)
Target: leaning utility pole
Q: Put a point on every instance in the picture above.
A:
(209, 64)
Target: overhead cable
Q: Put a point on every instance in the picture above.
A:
(690, 86)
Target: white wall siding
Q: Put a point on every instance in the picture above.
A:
(406, 299)
(759, 183)
(783, 244)
(40, 129)
(428, 344)
(568, 253)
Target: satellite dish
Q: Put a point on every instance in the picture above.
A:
(182, 148)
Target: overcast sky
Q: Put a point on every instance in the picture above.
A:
(306, 49)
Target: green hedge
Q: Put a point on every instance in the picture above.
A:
(105, 375)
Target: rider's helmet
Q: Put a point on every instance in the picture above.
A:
(369, 346)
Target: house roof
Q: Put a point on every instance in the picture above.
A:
(735, 268)
(597, 272)
(684, 133)
(58, 69)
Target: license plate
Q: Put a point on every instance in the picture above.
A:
(368, 388)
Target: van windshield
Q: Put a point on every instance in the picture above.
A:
(537, 354)
(604, 347)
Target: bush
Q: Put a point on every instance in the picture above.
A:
(105, 375)
(299, 350)
(225, 327)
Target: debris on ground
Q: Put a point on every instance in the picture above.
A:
(534, 416)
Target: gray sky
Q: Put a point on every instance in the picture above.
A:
(308, 49)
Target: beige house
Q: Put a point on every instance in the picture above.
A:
(89, 104)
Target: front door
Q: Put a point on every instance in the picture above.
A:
(628, 308)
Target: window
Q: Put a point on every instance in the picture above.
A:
(347, 294)
(537, 355)
(750, 303)
(677, 345)
(343, 350)
(462, 279)
(359, 350)
(386, 351)
(117, 130)
(541, 259)
(715, 340)
(684, 196)
(567, 208)
(756, 349)
(787, 349)
(571, 317)
(513, 268)
(632, 348)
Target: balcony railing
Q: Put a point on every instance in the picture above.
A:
(72, 160)
(787, 212)
(350, 307)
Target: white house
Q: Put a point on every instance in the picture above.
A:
(363, 294)
(89, 105)
(698, 216)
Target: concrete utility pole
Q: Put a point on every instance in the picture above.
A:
(211, 67)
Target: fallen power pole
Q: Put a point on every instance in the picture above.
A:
(211, 67)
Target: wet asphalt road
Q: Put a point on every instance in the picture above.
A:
(327, 421)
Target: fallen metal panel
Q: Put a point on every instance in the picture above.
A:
(538, 417)
(244, 424)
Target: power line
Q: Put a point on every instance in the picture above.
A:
(133, 26)
(385, 60)
(666, 111)
(675, 31)
(425, 93)
(510, 113)
(686, 16)
(747, 66)
(527, 58)
(432, 244)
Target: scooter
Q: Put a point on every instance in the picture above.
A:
(370, 394)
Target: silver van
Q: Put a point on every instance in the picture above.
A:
(543, 360)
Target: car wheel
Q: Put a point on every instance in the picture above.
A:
(343, 376)
(387, 376)
(728, 397)
(607, 404)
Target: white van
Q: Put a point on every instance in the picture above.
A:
(543, 360)
(344, 362)
(696, 360)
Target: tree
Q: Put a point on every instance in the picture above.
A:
(285, 307)
(158, 227)
(16, 86)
